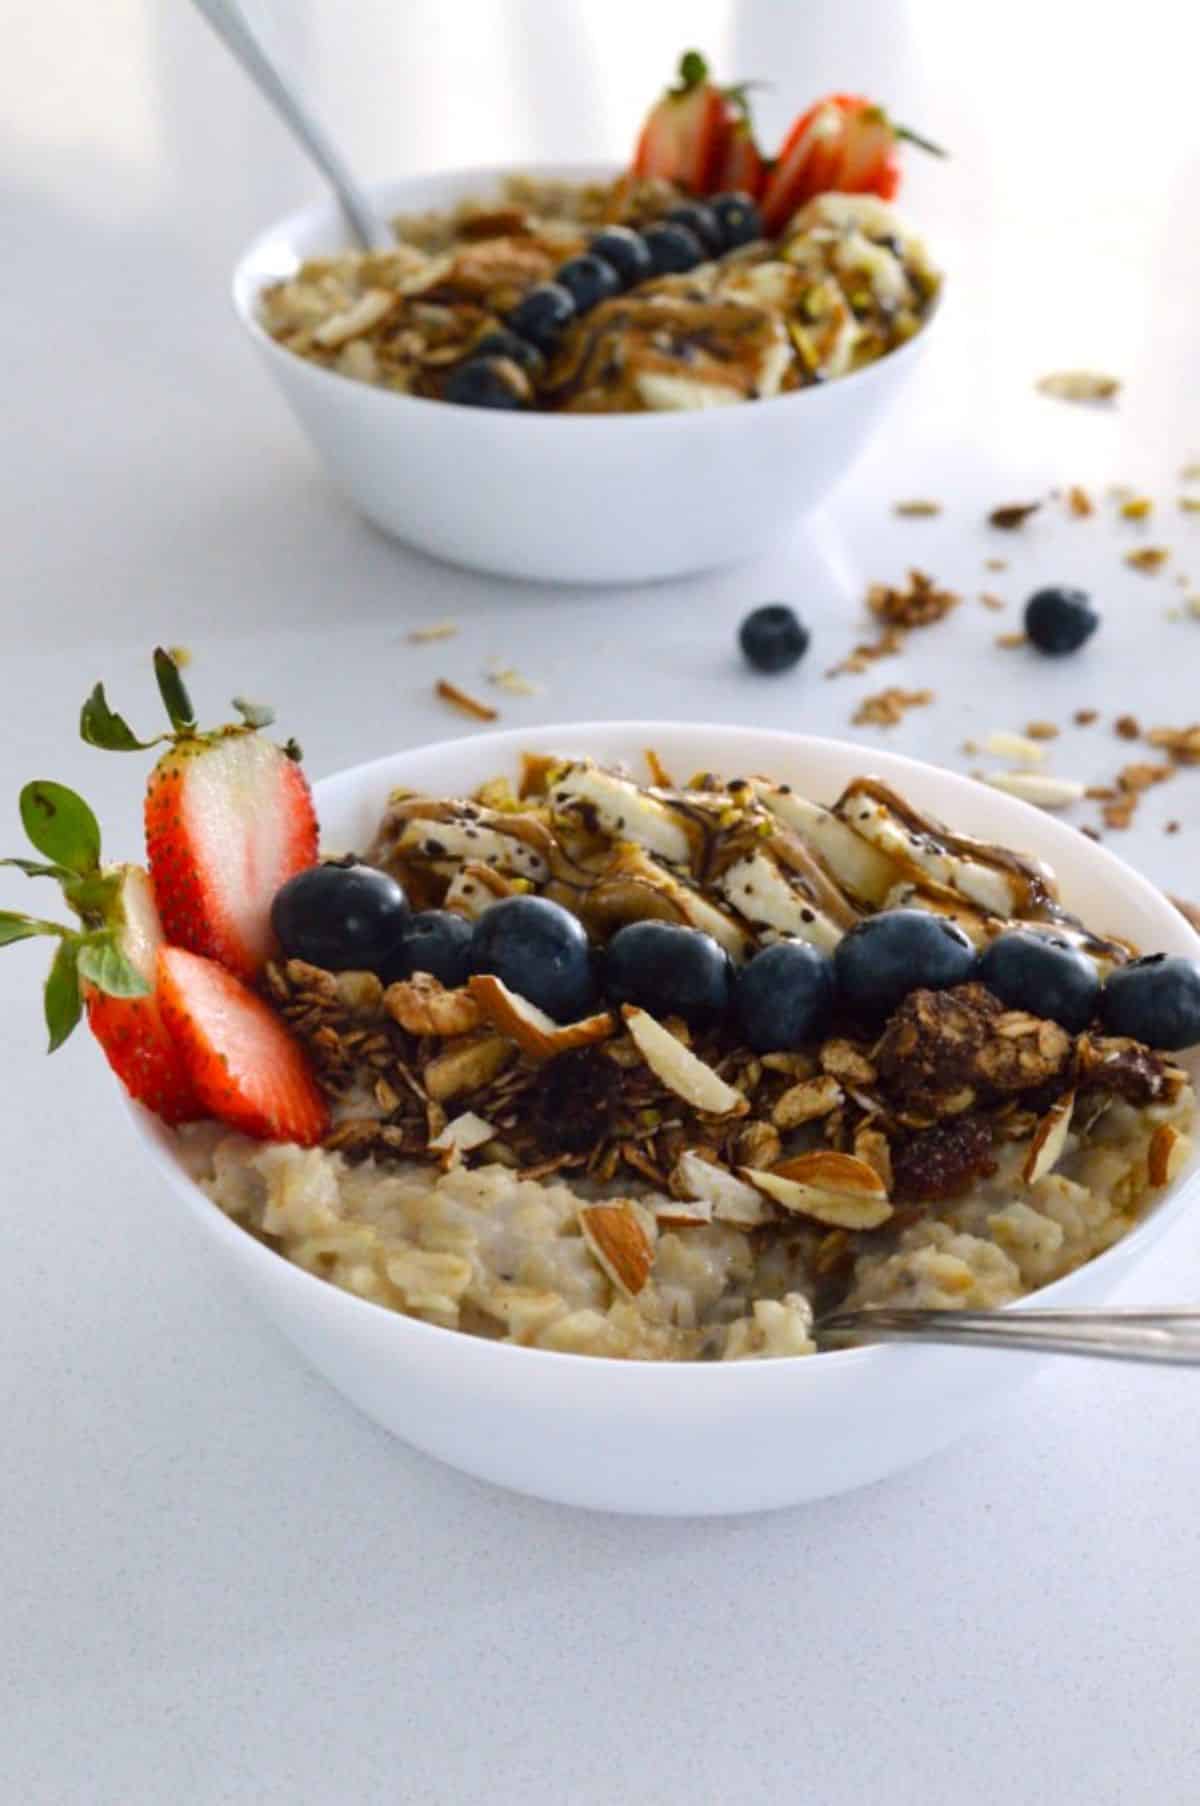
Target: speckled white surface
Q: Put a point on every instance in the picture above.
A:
(219, 1584)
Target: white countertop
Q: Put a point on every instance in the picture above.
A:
(220, 1584)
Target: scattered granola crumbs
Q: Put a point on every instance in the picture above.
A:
(1133, 779)
(917, 509)
(437, 630)
(919, 605)
(1079, 502)
(658, 772)
(995, 564)
(1041, 730)
(1189, 911)
(1014, 746)
(1120, 813)
(1171, 827)
(970, 747)
(1127, 727)
(1012, 514)
(1148, 558)
(1190, 504)
(1100, 793)
(1138, 507)
(993, 602)
(1078, 385)
(458, 699)
(1006, 641)
(180, 655)
(890, 642)
(1090, 833)
(507, 677)
(887, 708)
(1085, 717)
(1183, 743)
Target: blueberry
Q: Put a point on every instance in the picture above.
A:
(1155, 1000)
(670, 970)
(673, 249)
(702, 222)
(340, 916)
(1041, 973)
(542, 315)
(486, 382)
(886, 956)
(588, 280)
(540, 951)
(435, 941)
(625, 251)
(739, 219)
(503, 343)
(772, 638)
(784, 997)
(1060, 620)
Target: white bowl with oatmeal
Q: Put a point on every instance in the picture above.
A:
(599, 496)
(699, 1437)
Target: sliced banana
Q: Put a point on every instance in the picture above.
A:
(463, 840)
(759, 891)
(622, 810)
(990, 887)
(854, 863)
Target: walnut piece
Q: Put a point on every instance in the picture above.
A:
(423, 1006)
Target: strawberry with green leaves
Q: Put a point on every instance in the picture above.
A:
(229, 819)
(699, 136)
(843, 143)
(108, 964)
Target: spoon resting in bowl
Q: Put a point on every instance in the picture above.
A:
(1169, 1338)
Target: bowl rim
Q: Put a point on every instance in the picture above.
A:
(155, 1138)
(247, 283)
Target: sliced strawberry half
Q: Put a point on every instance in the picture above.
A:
(845, 143)
(683, 135)
(131, 1030)
(741, 167)
(229, 819)
(246, 1068)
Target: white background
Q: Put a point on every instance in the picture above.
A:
(219, 1584)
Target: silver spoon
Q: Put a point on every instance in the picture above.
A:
(1171, 1338)
(229, 23)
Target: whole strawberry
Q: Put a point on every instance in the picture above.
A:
(229, 819)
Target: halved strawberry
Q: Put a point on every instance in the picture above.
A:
(741, 166)
(229, 819)
(131, 1030)
(844, 143)
(108, 963)
(683, 135)
(246, 1068)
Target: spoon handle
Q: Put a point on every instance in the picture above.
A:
(1168, 1337)
(229, 23)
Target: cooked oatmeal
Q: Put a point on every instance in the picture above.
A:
(623, 1185)
(842, 285)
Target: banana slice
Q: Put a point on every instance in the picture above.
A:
(759, 891)
(858, 866)
(636, 887)
(588, 792)
(921, 848)
(468, 840)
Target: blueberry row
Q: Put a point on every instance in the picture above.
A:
(617, 258)
(344, 916)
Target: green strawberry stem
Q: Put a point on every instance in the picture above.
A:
(693, 71)
(908, 136)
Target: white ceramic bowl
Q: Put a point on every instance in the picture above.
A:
(566, 498)
(678, 1438)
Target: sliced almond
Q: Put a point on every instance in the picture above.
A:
(1167, 1152)
(1049, 1139)
(683, 1213)
(534, 1032)
(726, 1197)
(468, 1065)
(1007, 745)
(1038, 787)
(1079, 385)
(873, 1147)
(833, 1188)
(807, 1101)
(366, 312)
(463, 1134)
(423, 1006)
(618, 1243)
(679, 1068)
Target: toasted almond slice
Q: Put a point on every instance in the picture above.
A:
(353, 321)
(1079, 385)
(423, 1006)
(1007, 745)
(534, 1032)
(679, 1068)
(835, 1208)
(683, 1213)
(727, 1197)
(1049, 1139)
(1037, 787)
(618, 1243)
(468, 1065)
(806, 1101)
(1167, 1153)
(463, 1134)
